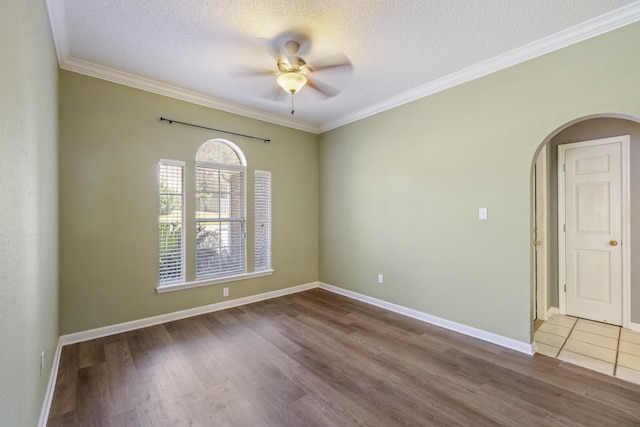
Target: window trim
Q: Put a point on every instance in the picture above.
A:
(213, 281)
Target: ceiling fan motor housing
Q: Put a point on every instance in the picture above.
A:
(295, 64)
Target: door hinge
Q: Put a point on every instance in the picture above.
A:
(564, 167)
(564, 227)
(565, 288)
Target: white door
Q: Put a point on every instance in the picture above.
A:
(593, 229)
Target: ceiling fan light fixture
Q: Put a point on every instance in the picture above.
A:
(291, 81)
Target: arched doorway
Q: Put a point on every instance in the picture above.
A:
(587, 128)
(546, 295)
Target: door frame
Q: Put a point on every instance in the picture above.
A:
(626, 214)
(540, 235)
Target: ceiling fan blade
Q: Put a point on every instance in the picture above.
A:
(324, 89)
(292, 47)
(336, 62)
(271, 46)
(292, 43)
(288, 43)
(275, 94)
(254, 73)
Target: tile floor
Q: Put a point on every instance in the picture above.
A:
(604, 348)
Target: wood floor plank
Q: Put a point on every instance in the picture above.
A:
(62, 420)
(329, 401)
(123, 381)
(226, 405)
(67, 381)
(93, 404)
(91, 353)
(150, 346)
(373, 383)
(319, 359)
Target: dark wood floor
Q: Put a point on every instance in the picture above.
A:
(319, 359)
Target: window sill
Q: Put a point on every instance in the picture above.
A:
(213, 281)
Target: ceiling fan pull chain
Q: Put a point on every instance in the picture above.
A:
(292, 103)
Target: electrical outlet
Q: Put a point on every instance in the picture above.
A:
(225, 292)
(41, 363)
(380, 279)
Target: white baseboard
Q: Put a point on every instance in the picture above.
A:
(169, 317)
(434, 320)
(163, 318)
(48, 396)
(552, 311)
(177, 315)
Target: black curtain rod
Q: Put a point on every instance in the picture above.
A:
(217, 130)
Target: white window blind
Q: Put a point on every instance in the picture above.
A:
(220, 212)
(171, 221)
(262, 210)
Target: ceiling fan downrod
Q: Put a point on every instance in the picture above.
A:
(292, 111)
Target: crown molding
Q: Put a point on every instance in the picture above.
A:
(127, 79)
(58, 21)
(57, 18)
(586, 30)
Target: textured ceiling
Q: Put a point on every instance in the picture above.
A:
(400, 49)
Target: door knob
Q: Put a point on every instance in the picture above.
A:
(613, 242)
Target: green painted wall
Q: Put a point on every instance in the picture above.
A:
(28, 209)
(111, 142)
(400, 190)
(397, 193)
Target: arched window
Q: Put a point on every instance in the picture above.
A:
(220, 219)
(220, 210)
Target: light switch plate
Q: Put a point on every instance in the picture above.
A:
(482, 213)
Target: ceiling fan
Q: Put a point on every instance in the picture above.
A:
(293, 73)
